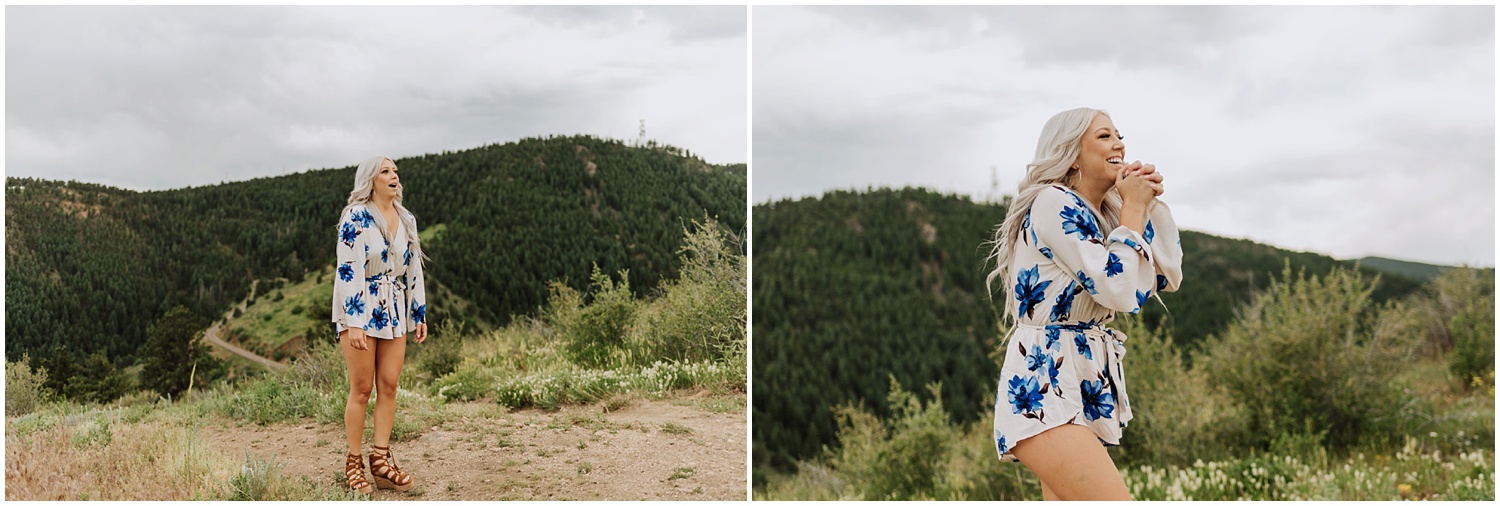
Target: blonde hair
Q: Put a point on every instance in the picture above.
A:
(364, 187)
(1056, 150)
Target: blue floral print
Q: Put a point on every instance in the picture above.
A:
(364, 219)
(1113, 266)
(1096, 402)
(1082, 341)
(1070, 250)
(355, 305)
(378, 318)
(1064, 304)
(347, 234)
(1080, 223)
(372, 290)
(1025, 395)
(1088, 283)
(1037, 359)
(1029, 291)
(1054, 338)
(418, 313)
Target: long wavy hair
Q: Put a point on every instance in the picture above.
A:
(364, 187)
(1056, 151)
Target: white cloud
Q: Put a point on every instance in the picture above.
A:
(1347, 130)
(160, 97)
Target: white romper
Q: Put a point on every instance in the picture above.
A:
(375, 288)
(1062, 365)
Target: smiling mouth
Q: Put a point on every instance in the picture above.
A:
(1115, 160)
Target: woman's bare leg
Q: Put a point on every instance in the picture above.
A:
(1048, 494)
(1072, 465)
(389, 355)
(361, 365)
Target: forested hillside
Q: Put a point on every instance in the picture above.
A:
(89, 267)
(854, 288)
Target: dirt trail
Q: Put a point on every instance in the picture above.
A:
(212, 336)
(649, 450)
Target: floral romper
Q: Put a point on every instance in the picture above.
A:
(1062, 365)
(375, 288)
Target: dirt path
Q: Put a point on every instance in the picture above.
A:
(649, 450)
(212, 336)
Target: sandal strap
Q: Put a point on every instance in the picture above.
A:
(383, 464)
(354, 472)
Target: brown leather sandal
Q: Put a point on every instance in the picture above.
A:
(387, 475)
(354, 471)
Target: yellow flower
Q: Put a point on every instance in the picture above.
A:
(1404, 489)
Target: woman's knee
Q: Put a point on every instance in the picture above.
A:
(387, 389)
(359, 391)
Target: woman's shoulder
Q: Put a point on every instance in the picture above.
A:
(1056, 195)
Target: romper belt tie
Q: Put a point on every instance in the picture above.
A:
(386, 284)
(1114, 355)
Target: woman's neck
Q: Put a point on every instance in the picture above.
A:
(383, 203)
(1094, 191)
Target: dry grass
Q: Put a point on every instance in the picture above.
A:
(106, 460)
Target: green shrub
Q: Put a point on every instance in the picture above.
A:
(1305, 353)
(24, 390)
(468, 381)
(1472, 325)
(596, 332)
(899, 460)
(1178, 417)
(703, 312)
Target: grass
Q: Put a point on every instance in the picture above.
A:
(270, 324)
(672, 428)
(681, 473)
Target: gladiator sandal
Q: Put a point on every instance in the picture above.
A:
(354, 471)
(386, 474)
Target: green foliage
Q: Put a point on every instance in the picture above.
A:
(1178, 417)
(24, 387)
(594, 333)
(1470, 293)
(174, 349)
(702, 314)
(85, 261)
(853, 286)
(897, 462)
(1304, 358)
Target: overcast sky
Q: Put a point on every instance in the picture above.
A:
(166, 97)
(1342, 130)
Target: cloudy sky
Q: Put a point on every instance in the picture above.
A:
(1342, 130)
(154, 98)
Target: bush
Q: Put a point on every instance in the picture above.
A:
(702, 314)
(1305, 356)
(24, 390)
(900, 460)
(594, 333)
(1178, 417)
(1469, 295)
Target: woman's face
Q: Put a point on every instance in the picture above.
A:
(386, 181)
(1103, 153)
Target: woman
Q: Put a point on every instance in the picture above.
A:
(1084, 238)
(378, 298)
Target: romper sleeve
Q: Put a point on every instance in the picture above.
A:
(1166, 247)
(417, 290)
(1116, 269)
(351, 306)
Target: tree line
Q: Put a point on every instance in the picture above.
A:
(90, 267)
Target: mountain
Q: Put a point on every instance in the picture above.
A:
(88, 267)
(1414, 270)
(854, 288)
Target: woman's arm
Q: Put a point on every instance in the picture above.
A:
(1115, 269)
(351, 305)
(418, 293)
